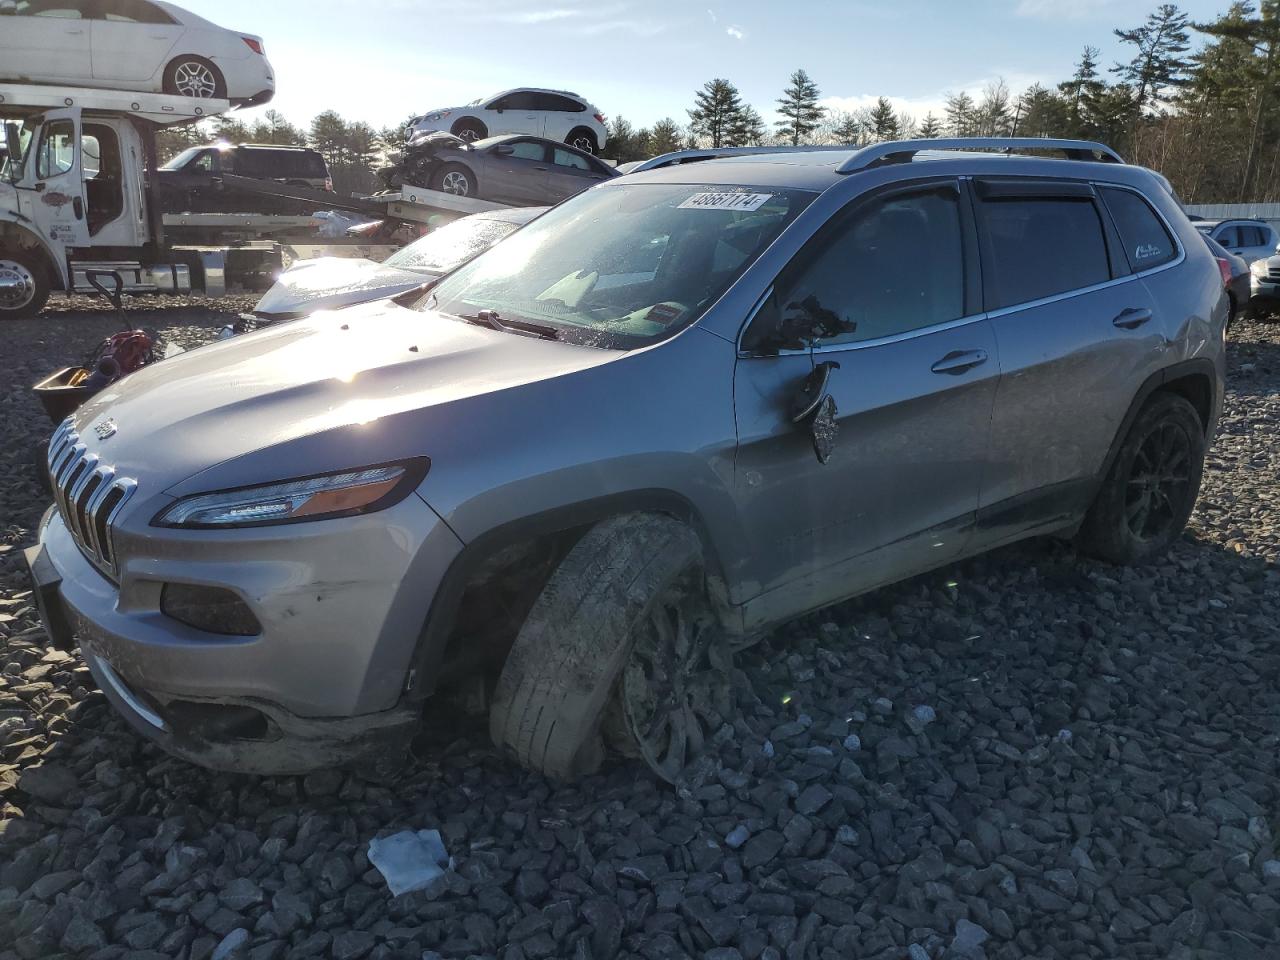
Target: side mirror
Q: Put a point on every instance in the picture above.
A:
(813, 409)
(505, 149)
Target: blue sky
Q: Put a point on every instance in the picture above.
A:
(381, 60)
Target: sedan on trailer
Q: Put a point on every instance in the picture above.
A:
(144, 45)
(328, 283)
(509, 169)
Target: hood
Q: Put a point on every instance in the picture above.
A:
(360, 375)
(332, 282)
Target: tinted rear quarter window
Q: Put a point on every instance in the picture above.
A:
(1039, 247)
(1147, 243)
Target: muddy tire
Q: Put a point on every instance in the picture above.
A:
(1151, 489)
(563, 667)
(24, 284)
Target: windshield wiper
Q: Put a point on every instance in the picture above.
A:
(491, 318)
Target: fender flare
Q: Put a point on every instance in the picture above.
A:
(437, 627)
(30, 240)
(1198, 366)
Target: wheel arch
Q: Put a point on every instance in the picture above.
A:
(474, 561)
(468, 121)
(13, 234)
(1192, 379)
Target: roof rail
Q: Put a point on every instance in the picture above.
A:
(902, 151)
(712, 153)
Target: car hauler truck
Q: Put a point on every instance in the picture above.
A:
(76, 197)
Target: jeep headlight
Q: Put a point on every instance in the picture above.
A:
(1258, 268)
(321, 497)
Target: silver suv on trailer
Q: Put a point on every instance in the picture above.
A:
(681, 407)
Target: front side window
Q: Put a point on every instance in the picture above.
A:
(57, 150)
(1147, 244)
(57, 9)
(1041, 246)
(563, 158)
(626, 265)
(528, 150)
(893, 265)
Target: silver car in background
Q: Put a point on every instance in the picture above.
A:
(328, 283)
(674, 411)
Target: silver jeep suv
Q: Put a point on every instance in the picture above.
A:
(676, 410)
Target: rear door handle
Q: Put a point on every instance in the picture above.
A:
(958, 361)
(1132, 318)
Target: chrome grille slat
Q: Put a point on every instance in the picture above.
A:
(83, 486)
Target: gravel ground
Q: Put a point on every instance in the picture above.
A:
(1027, 756)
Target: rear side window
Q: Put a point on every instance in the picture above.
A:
(553, 101)
(563, 158)
(1147, 243)
(1039, 247)
(893, 265)
(1229, 237)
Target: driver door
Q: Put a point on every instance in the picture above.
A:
(515, 113)
(55, 174)
(893, 281)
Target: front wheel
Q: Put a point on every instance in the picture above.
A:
(194, 77)
(626, 580)
(456, 179)
(24, 284)
(1151, 489)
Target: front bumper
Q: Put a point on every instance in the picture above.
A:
(341, 605)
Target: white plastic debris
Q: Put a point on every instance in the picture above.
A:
(409, 860)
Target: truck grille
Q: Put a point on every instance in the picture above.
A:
(88, 495)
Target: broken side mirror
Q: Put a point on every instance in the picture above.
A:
(814, 409)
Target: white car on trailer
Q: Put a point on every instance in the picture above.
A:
(145, 45)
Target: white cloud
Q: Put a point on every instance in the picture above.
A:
(712, 15)
(736, 32)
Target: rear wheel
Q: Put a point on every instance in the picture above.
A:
(582, 139)
(456, 179)
(191, 76)
(24, 284)
(1151, 489)
(469, 130)
(564, 666)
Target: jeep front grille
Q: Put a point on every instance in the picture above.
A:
(89, 496)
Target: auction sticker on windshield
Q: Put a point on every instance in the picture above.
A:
(726, 201)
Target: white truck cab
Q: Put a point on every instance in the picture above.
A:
(74, 191)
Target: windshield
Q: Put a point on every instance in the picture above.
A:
(623, 265)
(182, 159)
(443, 249)
(17, 138)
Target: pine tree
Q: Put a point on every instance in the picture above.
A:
(327, 133)
(1161, 61)
(884, 122)
(717, 107)
(799, 108)
(746, 130)
(930, 127)
(848, 130)
(960, 110)
(666, 137)
(1082, 91)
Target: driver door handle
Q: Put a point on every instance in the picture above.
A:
(958, 361)
(1132, 318)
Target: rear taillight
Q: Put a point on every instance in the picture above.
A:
(254, 45)
(1224, 267)
(600, 118)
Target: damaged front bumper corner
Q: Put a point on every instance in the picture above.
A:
(244, 735)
